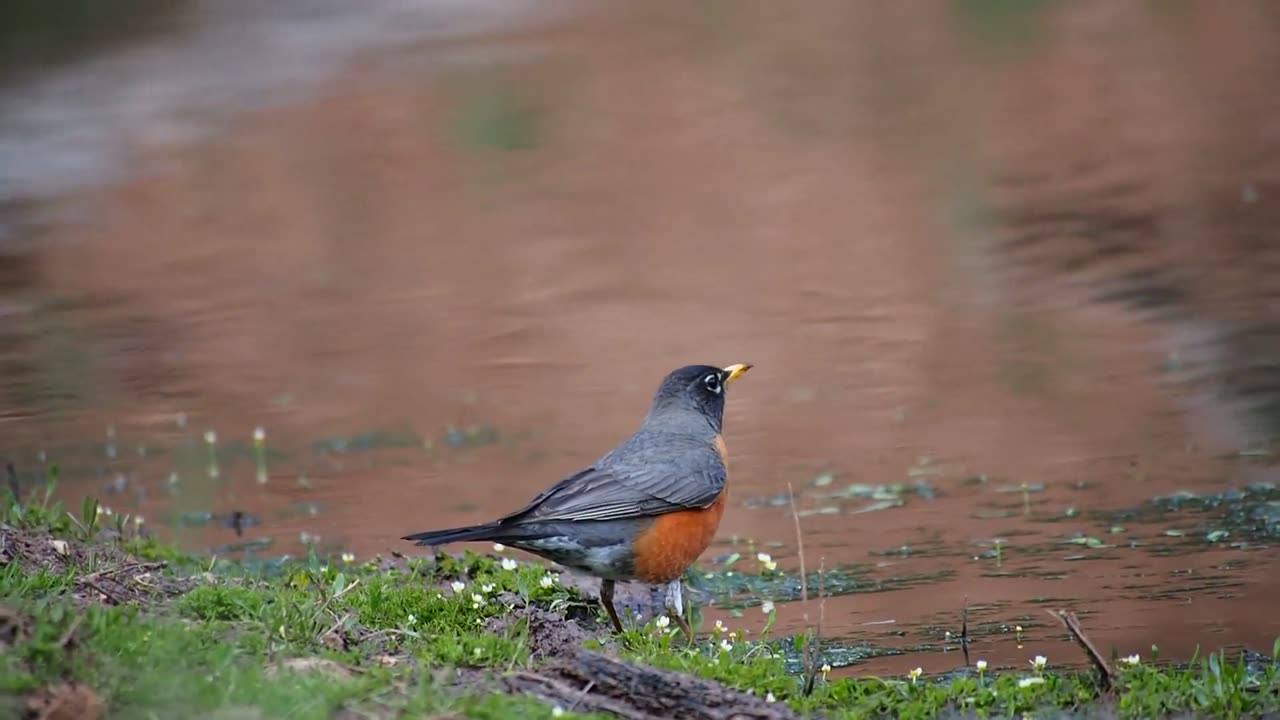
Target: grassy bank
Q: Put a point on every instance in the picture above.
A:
(98, 621)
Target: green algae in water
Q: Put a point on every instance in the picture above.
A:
(1251, 512)
(730, 590)
(377, 439)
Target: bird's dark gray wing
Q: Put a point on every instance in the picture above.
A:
(638, 479)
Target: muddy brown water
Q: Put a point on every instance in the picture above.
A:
(966, 255)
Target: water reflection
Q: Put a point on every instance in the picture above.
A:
(996, 305)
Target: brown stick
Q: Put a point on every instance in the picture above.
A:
(126, 568)
(795, 517)
(112, 597)
(809, 653)
(1069, 621)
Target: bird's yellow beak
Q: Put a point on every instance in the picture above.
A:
(732, 372)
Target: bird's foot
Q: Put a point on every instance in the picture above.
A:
(675, 609)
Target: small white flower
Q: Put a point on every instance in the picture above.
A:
(733, 635)
(1132, 660)
(210, 436)
(478, 652)
(663, 621)
(981, 665)
(348, 557)
(1039, 662)
(720, 626)
(477, 600)
(411, 620)
(766, 607)
(770, 698)
(915, 675)
(499, 547)
(259, 434)
(547, 581)
(726, 645)
(764, 557)
(1029, 681)
(826, 668)
(557, 711)
(458, 586)
(508, 564)
(486, 588)
(1017, 628)
(139, 520)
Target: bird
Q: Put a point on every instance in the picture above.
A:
(645, 510)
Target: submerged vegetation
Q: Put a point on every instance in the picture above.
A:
(97, 620)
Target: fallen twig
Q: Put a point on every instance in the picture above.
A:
(123, 569)
(114, 599)
(333, 631)
(1069, 620)
(585, 690)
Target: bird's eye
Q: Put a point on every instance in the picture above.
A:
(712, 382)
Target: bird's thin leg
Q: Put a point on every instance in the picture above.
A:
(606, 599)
(675, 608)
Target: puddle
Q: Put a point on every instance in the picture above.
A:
(1011, 315)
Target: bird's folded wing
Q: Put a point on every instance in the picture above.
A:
(629, 490)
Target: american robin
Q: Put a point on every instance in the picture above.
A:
(645, 510)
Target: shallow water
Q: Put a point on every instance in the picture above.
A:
(454, 270)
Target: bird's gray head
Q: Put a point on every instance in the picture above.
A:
(693, 393)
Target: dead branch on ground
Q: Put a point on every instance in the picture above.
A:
(591, 682)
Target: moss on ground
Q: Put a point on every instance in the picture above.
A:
(100, 622)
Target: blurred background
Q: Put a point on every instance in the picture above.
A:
(1006, 270)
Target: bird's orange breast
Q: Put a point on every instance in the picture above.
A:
(675, 540)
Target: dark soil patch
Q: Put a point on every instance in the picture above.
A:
(105, 573)
(550, 634)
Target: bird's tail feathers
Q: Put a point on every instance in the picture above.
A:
(432, 538)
